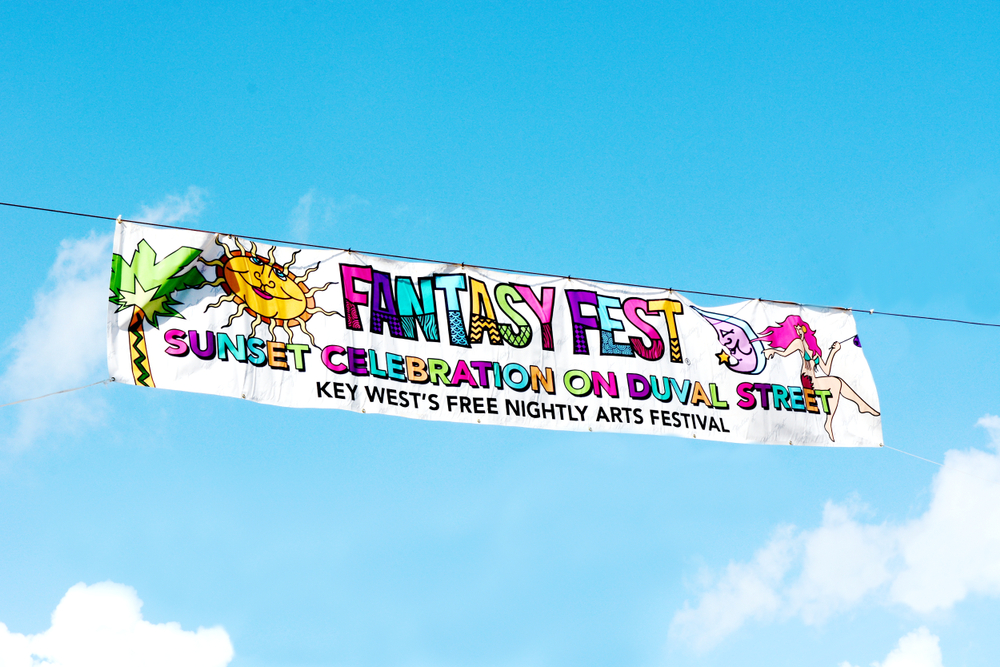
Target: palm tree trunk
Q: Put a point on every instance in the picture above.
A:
(137, 350)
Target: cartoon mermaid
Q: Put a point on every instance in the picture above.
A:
(795, 335)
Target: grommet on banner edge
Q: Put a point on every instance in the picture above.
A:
(119, 220)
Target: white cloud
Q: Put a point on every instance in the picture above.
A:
(102, 626)
(746, 590)
(70, 314)
(842, 561)
(954, 548)
(175, 208)
(928, 563)
(992, 424)
(63, 343)
(918, 649)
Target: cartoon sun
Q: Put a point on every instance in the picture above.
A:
(266, 289)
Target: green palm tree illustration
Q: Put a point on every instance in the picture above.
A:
(148, 287)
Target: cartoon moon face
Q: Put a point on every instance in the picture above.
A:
(265, 287)
(746, 352)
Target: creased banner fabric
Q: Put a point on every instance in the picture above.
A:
(323, 328)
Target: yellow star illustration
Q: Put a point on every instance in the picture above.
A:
(723, 358)
(140, 298)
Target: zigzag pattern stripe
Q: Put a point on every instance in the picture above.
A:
(140, 360)
(478, 324)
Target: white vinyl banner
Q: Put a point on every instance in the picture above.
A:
(324, 328)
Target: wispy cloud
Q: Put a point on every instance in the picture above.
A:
(102, 625)
(63, 343)
(298, 221)
(312, 206)
(928, 563)
(174, 209)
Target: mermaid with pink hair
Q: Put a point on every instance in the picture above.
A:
(795, 335)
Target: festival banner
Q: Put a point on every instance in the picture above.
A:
(326, 328)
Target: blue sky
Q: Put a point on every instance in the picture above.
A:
(840, 155)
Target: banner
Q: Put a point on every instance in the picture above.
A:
(322, 328)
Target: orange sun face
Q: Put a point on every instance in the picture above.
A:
(265, 289)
